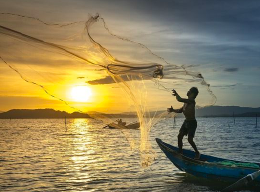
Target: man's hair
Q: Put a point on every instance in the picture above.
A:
(195, 91)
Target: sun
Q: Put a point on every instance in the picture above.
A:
(80, 93)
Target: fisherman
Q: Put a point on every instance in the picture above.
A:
(120, 122)
(190, 124)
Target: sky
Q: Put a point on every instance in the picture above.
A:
(220, 39)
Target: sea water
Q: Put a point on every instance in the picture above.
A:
(47, 155)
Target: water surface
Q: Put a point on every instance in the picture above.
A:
(46, 155)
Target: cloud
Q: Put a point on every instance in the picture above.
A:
(106, 80)
(232, 86)
(232, 69)
(183, 32)
(110, 80)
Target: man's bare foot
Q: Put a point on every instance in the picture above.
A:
(197, 156)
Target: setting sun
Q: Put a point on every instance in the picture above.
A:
(80, 93)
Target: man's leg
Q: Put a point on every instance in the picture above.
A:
(192, 143)
(180, 144)
(190, 139)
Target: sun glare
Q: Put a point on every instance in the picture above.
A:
(80, 93)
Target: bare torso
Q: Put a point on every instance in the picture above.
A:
(189, 110)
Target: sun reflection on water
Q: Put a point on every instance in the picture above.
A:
(80, 143)
(85, 152)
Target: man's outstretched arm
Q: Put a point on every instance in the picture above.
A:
(180, 99)
(175, 110)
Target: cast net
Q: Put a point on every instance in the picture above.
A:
(125, 76)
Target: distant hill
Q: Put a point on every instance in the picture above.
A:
(224, 111)
(40, 114)
(227, 111)
(212, 111)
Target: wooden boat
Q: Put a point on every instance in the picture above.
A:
(134, 125)
(208, 166)
(113, 125)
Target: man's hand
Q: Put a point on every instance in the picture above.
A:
(170, 109)
(174, 93)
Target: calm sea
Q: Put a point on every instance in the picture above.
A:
(44, 155)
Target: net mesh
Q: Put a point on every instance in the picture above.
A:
(125, 76)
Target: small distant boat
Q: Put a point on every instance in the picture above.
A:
(113, 125)
(134, 125)
(208, 166)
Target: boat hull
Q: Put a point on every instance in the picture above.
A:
(208, 166)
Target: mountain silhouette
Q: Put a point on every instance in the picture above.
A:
(227, 111)
(40, 114)
(211, 111)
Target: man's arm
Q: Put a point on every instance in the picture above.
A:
(174, 93)
(175, 110)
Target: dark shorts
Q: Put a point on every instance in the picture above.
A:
(188, 128)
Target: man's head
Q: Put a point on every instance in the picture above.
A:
(193, 92)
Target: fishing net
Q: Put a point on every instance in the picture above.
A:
(125, 76)
(238, 164)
